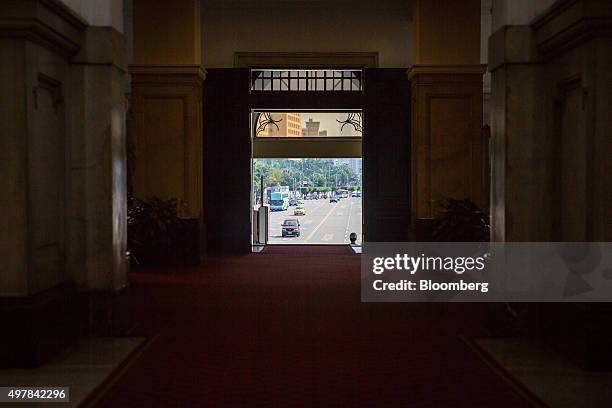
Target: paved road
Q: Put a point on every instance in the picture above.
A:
(324, 222)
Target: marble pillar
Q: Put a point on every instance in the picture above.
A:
(550, 132)
(62, 160)
(97, 194)
(550, 123)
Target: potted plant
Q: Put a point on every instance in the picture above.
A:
(153, 227)
(460, 221)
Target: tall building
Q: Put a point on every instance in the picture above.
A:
(312, 129)
(289, 125)
(356, 165)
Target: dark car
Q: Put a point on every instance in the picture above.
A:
(334, 199)
(293, 201)
(291, 227)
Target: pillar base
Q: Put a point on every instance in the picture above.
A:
(104, 312)
(37, 327)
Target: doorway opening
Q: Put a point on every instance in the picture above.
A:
(309, 200)
(307, 183)
(231, 103)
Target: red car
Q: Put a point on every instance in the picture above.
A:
(291, 227)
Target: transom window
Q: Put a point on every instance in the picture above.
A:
(320, 80)
(307, 124)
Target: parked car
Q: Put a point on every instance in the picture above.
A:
(299, 210)
(291, 227)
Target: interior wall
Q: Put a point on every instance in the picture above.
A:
(99, 12)
(166, 35)
(307, 26)
(445, 32)
(517, 12)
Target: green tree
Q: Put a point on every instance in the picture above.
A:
(321, 173)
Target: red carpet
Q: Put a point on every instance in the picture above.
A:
(286, 328)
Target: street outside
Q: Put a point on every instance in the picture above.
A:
(324, 222)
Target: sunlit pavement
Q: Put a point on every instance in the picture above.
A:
(324, 222)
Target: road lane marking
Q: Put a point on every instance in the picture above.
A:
(327, 237)
(321, 223)
(348, 222)
(309, 222)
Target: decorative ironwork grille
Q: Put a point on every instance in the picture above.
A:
(354, 119)
(263, 120)
(316, 80)
(338, 124)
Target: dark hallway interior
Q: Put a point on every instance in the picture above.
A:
(240, 332)
(130, 131)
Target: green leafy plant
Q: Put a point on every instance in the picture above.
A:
(460, 221)
(153, 227)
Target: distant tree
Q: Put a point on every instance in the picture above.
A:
(322, 173)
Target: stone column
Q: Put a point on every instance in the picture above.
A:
(37, 293)
(549, 94)
(447, 143)
(62, 165)
(551, 80)
(519, 142)
(167, 107)
(97, 172)
(448, 147)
